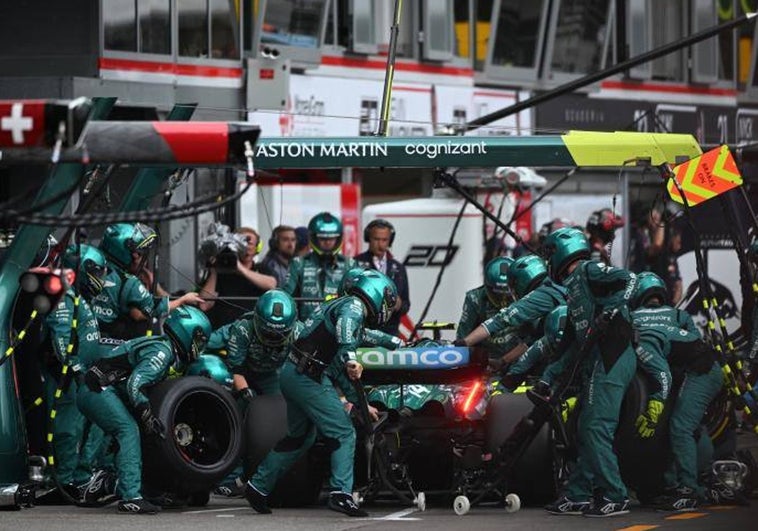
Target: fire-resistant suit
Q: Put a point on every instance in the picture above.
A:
(134, 365)
(329, 338)
(315, 276)
(668, 338)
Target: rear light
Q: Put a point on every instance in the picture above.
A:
(472, 397)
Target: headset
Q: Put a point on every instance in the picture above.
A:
(273, 241)
(379, 224)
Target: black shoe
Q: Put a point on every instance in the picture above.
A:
(100, 490)
(71, 493)
(682, 500)
(230, 491)
(563, 505)
(257, 501)
(679, 505)
(137, 506)
(604, 507)
(343, 502)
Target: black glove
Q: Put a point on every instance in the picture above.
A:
(151, 424)
(603, 320)
(459, 343)
(247, 394)
(511, 381)
(495, 364)
(542, 389)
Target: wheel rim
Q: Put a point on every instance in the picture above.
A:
(203, 429)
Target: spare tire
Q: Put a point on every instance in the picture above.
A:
(533, 476)
(265, 425)
(204, 436)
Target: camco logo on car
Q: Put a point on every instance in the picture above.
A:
(413, 358)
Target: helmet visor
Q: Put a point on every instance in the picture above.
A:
(94, 277)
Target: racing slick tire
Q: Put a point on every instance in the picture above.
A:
(533, 476)
(265, 425)
(203, 436)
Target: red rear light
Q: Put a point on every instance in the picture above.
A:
(472, 398)
(53, 284)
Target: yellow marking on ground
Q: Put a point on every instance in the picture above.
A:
(641, 527)
(686, 516)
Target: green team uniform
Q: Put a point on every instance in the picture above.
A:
(219, 341)
(328, 340)
(139, 363)
(477, 308)
(315, 276)
(258, 363)
(122, 292)
(69, 424)
(668, 337)
(594, 289)
(534, 306)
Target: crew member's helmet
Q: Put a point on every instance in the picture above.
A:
(90, 266)
(189, 330)
(212, 367)
(496, 281)
(325, 225)
(649, 285)
(564, 246)
(525, 274)
(348, 279)
(602, 224)
(555, 326)
(122, 239)
(274, 317)
(378, 293)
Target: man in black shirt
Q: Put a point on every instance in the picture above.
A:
(379, 234)
(281, 250)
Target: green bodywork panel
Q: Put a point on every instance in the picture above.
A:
(21, 253)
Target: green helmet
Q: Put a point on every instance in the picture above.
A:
(525, 274)
(563, 247)
(378, 293)
(189, 330)
(274, 317)
(348, 279)
(325, 225)
(211, 367)
(649, 285)
(90, 266)
(555, 325)
(496, 280)
(122, 239)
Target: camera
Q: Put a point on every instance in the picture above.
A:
(222, 247)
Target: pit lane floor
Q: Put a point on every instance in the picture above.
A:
(223, 514)
(232, 514)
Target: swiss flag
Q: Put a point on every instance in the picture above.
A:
(22, 123)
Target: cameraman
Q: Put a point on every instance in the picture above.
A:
(281, 250)
(242, 280)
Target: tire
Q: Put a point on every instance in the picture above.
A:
(532, 477)
(265, 425)
(642, 461)
(204, 436)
